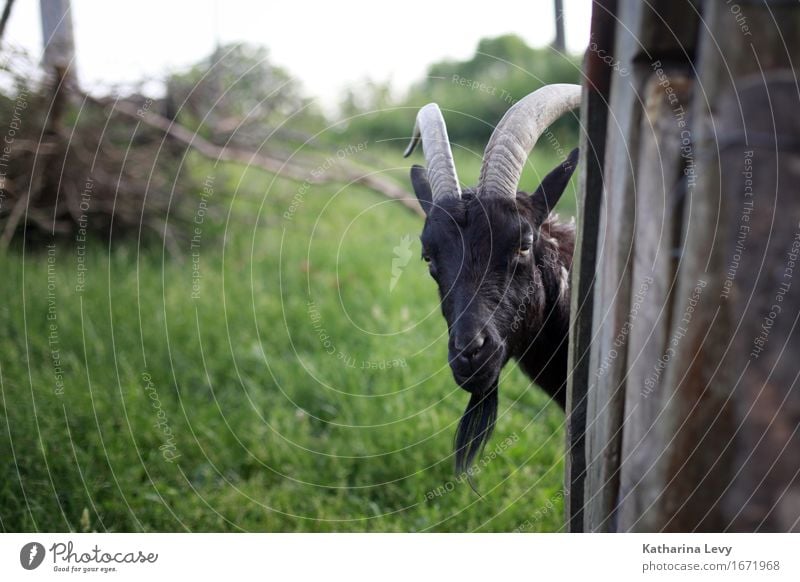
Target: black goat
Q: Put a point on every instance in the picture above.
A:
(501, 261)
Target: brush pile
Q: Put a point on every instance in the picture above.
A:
(71, 163)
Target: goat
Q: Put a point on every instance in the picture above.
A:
(500, 259)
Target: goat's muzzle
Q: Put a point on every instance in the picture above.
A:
(476, 360)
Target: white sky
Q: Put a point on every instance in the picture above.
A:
(327, 45)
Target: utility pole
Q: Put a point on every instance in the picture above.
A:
(559, 43)
(58, 39)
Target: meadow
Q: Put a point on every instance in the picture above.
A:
(285, 372)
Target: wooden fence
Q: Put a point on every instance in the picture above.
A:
(684, 357)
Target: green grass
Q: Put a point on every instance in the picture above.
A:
(269, 431)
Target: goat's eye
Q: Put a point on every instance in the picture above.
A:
(431, 265)
(525, 248)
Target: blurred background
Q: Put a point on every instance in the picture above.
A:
(215, 315)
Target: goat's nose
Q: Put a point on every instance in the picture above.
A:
(469, 348)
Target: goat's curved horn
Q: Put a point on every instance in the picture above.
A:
(516, 134)
(431, 130)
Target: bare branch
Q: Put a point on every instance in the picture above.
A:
(292, 170)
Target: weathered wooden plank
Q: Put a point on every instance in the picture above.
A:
(611, 293)
(660, 193)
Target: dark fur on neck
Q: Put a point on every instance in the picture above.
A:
(542, 344)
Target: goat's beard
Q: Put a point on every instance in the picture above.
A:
(475, 429)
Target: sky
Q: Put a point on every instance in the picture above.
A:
(326, 45)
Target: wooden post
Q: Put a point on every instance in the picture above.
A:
(594, 112)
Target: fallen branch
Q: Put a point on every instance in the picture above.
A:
(294, 171)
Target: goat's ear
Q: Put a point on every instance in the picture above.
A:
(422, 188)
(552, 187)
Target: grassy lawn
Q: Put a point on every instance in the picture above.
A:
(271, 381)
